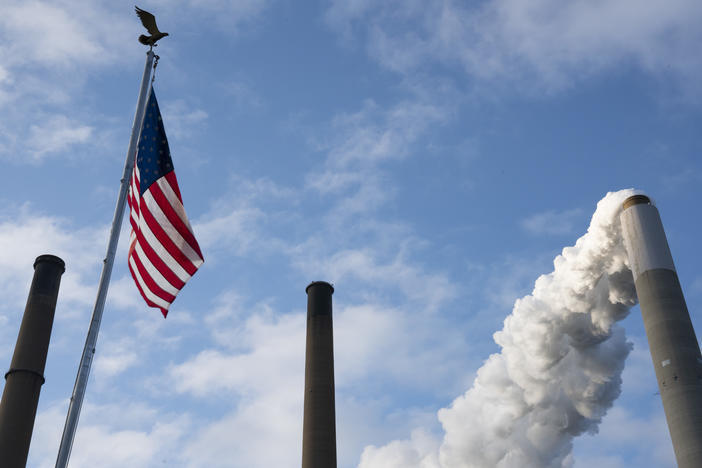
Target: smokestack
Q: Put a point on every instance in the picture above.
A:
(319, 426)
(558, 370)
(671, 338)
(20, 397)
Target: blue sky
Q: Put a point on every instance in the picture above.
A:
(429, 158)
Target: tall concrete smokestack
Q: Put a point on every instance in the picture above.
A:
(671, 338)
(20, 397)
(319, 426)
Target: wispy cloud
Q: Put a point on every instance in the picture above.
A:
(552, 222)
(60, 34)
(361, 147)
(115, 357)
(182, 119)
(51, 50)
(242, 218)
(541, 45)
(244, 94)
(369, 266)
(55, 135)
(374, 134)
(683, 179)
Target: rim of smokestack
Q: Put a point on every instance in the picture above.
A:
(319, 282)
(636, 200)
(50, 259)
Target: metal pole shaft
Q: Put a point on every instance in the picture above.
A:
(86, 360)
(319, 422)
(20, 397)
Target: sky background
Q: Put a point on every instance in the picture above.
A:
(429, 158)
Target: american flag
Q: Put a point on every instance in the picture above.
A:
(163, 252)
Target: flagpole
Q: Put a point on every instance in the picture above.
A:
(86, 360)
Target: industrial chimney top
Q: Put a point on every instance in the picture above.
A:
(314, 283)
(636, 200)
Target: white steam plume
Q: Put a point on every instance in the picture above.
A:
(558, 373)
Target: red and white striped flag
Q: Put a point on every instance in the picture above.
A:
(163, 252)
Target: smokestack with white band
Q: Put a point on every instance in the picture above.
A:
(671, 338)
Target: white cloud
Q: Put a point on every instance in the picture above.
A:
(56, 134)
(263, 432)
(374, 134)
(493, 288)
(272, 356)
(258, 363)
(58, 37)
(51, 49)
(238, 10)
(552, 222)
(27, 234)
(361, 148)
(260, 370)
(240, 220)
(368, 266)
(63, 33)
(420, 451)
(683, 179)
(182, 121)
(114, 357)
(235, 228)
(110, 436)
(48, 51)
(543, 44)
(244, 94)
(123, 294)
(232, 16)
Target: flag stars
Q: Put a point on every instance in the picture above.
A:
(153, 157)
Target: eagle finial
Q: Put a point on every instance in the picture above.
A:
(149, 22)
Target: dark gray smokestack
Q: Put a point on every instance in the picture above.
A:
(26, 375)
(319, 426)
(671, 338)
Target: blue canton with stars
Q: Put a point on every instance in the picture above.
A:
(153, 156)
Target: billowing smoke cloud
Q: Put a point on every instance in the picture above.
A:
(558, 372)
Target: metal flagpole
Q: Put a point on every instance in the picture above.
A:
(69, 429)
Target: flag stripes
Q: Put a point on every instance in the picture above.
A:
(163, 251)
